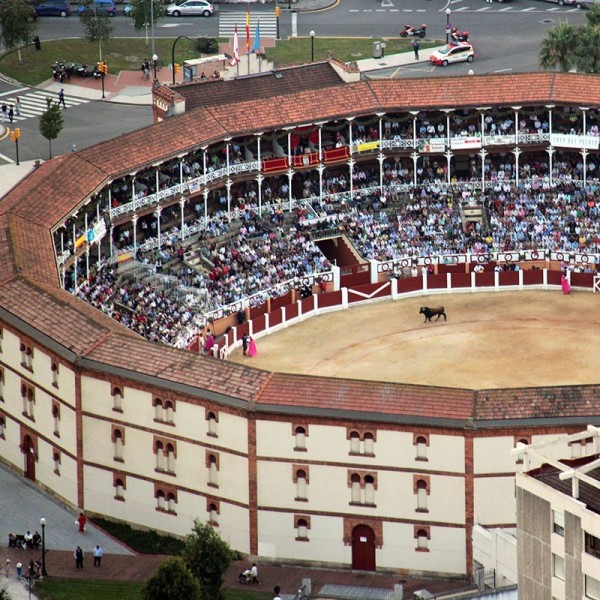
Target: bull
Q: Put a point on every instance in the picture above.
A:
(432, 312)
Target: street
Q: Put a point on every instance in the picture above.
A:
(506, 37)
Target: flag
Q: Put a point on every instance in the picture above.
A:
(256, 47)
(236, 50)
(248, 27)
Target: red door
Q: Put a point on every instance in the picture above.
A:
(363, 548)
(29, 451)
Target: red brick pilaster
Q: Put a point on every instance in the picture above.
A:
(79, 441)
(469, 501)
(252, 485)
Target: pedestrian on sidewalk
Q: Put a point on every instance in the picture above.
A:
(19, 570)
(7, 568)
(97, 555)
(61, 98)
(11, 113)
(4, 112)
(416, 49)
(18, 106)
(78, 556)
(81, 522)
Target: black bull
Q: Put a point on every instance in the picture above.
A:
(432, 312)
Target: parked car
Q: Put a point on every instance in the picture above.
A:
(453, 52)
(100, 7)
(583, 3)
(52, 8)
(190, 8)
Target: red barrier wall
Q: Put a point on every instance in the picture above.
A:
(411, 284)
(355, 279)
(582, 279)
(533, 277)
(509, 277)
(291, 311)
(485, 279)
(281, 301)
(369, 289)
(437, 282)
(256, 311)
(554, 277)
(461, 280)
(330, 299)
(275, 317)
(259, 323)
(460, 268)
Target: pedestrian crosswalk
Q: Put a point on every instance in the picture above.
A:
(228, 21)
(34, 103)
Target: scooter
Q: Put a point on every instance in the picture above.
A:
(84, 70)
(459, 36)
(408, 30)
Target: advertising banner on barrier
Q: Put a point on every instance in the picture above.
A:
(586, 259)
(428, 260)
(535, 255)
(482, 258)
(564, 140)
(454, 259)
(365, 147)
(465, 143)
(499, 140)
(562, 256)
(508, 257)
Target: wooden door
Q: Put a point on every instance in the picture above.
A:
(363, 548)
(29, 451)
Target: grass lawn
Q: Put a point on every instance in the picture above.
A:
(128, 53)
(119, 53)
(297, 50)
(144, 542)
(56, 588)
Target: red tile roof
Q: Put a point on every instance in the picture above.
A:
(29, 287)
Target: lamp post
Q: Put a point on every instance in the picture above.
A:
(173, 53)
(154, 64)
(43, 524)
(312, 45)
(448, 13)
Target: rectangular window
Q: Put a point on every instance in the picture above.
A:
(592, 545)
(592, 588)
(558, 566)
(559, 522)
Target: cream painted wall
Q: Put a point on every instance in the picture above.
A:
(10, 450)
(277, 536)
(447, 549)
(65, 484)
(495, 501)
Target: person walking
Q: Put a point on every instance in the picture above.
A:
(252, 351)
(61, 98)
(7, 568)
(245, 344)
(4, 112)
(11, 113)
(18, 106)
(416, 49)
(78, 556)
(97, 555)
(81, 522)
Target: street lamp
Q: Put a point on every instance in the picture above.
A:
(155, 64)
(43, 524)
(312, 45)
(448, 13)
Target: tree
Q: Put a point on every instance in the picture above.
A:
(172, 581)
(592, 16)
(16, 24)
(97, 27)
(51, 123)
(208, 557)
(146, 12)
(586, 55)
(557, 47)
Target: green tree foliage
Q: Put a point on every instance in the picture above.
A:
(51, 124)
(586, 55)
(96, 27)
(208, 557)
(16, 24)
(172, 581)
(592, 16)
(143, 12)
(557, 47)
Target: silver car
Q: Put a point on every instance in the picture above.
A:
(190, 8)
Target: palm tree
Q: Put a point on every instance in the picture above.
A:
(557, 47)
(587, 51)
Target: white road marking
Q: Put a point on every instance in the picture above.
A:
(8, 160)
(15, 92)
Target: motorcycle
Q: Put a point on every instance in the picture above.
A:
(408, 30)
(83, 70)
(62, 70)
(459, 36)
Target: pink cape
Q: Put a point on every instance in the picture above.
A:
(252, 348)
(566, 286)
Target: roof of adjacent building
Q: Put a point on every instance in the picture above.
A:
(31, 297)
(588, 494)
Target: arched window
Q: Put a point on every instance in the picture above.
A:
(421, 448)
(355, 488)
(119, 489)
(56, 418)
(301, 485)
(354, 443)
(117, 395)
(170, 458)
(213, 471)
(302, 529)
(300, 438)
(369, 489)
(30, 402)
(158, 409)
(213, 514)
(160, 500)
(422, 495)
(171, 502)
(118, 444)
(169, 409)
(1, 385)
(2, 427)
(159, 450)
(211, 419)
(369, 442)
(422, 539)
(54, 369)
